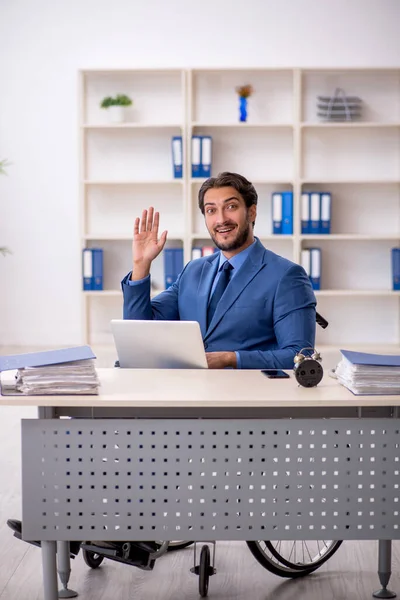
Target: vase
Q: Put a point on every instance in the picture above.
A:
(116, 114)
(242, 109)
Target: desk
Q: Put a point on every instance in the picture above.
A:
(225, 455)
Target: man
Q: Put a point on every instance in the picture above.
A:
(256, 309)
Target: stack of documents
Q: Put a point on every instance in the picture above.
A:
(77, 377)
(369, 374)
(65, 371)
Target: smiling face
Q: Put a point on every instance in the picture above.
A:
(228, 220)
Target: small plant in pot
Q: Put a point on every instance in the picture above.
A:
(116, 107)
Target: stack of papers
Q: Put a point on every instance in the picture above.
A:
(65, 371)
(369, 374)
(77, 377)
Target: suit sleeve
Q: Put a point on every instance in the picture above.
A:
(294, 323)
(139, 306)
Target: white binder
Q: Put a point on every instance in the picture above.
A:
(197, 253)
(177, 156)
(315, 212)
(276, 212)
(206, 153)
(196, 156)
(306, 261)
(305, 212)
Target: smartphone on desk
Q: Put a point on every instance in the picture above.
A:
(275, 373)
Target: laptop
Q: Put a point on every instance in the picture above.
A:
(159, 344)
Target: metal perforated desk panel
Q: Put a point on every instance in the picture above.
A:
(226, 479)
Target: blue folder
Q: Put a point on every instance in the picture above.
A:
(173, 265)
(97, 259)
(396, 269)
(48, 357)
(373, 360)
(287, 213)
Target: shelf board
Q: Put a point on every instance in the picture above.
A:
(273, 181)
(269, 237)
(349, 124)
(245, 125)
(355, 237)
(112, 293)
(272, 69)
(349, 181)
(101, 293)
(370, 293)
(276, 237)
(133, 182)
(136, 71)
(133, 126)
(128, 238)
(201, 236)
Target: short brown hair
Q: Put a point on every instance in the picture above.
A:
(245, 188)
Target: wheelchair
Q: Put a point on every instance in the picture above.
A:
(289, 559)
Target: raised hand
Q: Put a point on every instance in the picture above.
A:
(146, 245)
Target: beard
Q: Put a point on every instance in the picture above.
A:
(240, 239)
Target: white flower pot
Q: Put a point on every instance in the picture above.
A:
(116, 114)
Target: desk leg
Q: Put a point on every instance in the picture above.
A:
(384, 569)
(64, 569)
(49, 565)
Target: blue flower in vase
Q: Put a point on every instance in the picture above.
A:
(242, 108)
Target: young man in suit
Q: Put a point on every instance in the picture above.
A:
(256, 309)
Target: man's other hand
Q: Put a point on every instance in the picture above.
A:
(221, 360)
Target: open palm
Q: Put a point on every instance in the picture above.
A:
(146, 244)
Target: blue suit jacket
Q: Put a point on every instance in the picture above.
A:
(267, 312)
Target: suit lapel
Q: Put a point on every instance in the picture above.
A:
(208, 273)
(250, 268)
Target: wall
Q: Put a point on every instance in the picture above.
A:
(44, 43)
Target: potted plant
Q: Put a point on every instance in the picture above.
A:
(3, 165)
(116, 107)
(244, 92)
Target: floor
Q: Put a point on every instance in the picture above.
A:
(351, 574)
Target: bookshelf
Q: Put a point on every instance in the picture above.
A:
(283, 146)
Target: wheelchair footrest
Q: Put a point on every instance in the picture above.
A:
(136, 554)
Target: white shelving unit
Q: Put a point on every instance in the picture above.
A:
(283, 146)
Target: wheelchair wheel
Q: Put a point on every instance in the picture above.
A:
(176, 545)
(92, 559)
(294, 558)
(204, 571)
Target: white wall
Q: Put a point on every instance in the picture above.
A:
(43, 44)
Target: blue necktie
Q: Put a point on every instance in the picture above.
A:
(223, 281)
